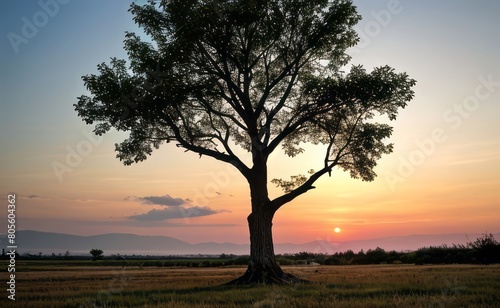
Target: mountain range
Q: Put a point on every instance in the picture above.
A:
(29, 241)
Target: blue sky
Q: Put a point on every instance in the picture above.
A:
(442, 178)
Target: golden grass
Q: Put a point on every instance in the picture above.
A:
(331, 286)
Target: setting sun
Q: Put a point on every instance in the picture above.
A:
(337, 230)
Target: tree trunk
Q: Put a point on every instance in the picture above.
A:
(263, 267)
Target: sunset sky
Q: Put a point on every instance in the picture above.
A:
(443, 176)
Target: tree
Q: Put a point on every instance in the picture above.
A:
(486, 248)
(97, 254)
(216, 74)
(376, 256)
(67, 255)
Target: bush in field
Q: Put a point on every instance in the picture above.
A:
(67, 255)
(285, 261)
(97, 254)
(331, 261)
(486, 249)
(376, 256)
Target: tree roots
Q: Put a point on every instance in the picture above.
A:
(268, 277)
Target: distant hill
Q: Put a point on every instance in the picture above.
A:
(113, 243)
(29, 241)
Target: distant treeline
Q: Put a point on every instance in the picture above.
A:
(484, 250)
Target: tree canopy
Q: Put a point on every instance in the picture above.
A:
(257, 73)
(214, 75)
(97, 254)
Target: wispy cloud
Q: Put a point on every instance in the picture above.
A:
(473, 153)
(486, 157)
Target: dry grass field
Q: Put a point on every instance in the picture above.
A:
(331, 286)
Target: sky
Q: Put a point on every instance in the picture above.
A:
(443, 176)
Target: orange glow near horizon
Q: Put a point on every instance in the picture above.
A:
(426, 203)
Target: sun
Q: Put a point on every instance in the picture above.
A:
(337, 230)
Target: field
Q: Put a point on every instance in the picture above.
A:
(82, 285)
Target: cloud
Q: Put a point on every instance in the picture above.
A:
(174, 208)
(175, 212)
(165, 200)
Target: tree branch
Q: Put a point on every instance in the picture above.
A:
(228, 158)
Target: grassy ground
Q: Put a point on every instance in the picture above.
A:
(43, 285)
